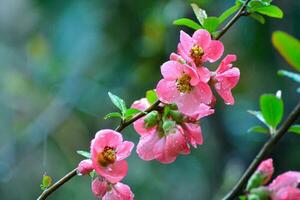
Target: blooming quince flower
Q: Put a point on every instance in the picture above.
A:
(85, 167)
(199, 48)
(108, 191)
(225, 78)
(181, 85)
(284, 187)
(108, 151)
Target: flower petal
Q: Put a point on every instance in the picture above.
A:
(287, 179)
(186, 42)
(214, 51)
(124, 150)
(99, 187)
(139, 127)
(287, 193)
(167, 91)
(145, 146)
(106, 137)
(202, 38)
(119, 191)
(193, 134)
(226, 63)
(114, 172)
(171, 70)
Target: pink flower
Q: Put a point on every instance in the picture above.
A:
(108, 152)
(284, 187)
(119, 191)
(266, 168)
(85, 167)
(199, 48)
(181, 85)
(99, 187)
(225, 78)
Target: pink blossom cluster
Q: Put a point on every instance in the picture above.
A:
(108, 153)
(283, 187)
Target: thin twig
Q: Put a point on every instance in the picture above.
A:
(265, 150)
(73, 173)
(240, 13)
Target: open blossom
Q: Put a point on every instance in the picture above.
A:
(85, 167)
(284, 187)
(225, 78)
(107, 191)
(166, 145)
(181, 85)
(108, 151)
(199, 48)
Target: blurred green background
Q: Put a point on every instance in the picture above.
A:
(58, 60)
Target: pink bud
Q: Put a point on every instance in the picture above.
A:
(85, 167)
(99, 187)
(267, 169)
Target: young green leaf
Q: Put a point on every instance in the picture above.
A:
(46, 182)
(295, 129)
(113, 115)
(271, 11)
(258, 17)
(151, 96)
(291, 75)
(258, 115)
(257, 129)
(117, 101)
(227, 13)
(84, 153)
(131, 112)
(211, 24)
(200, 13)
(272, 109)
(187, 22)
(288, 47)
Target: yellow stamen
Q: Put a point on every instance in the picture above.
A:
(183, 84)
(107, 156)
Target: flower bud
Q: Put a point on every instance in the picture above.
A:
(168, 126)
(151, 119)
(99, 187)
(85, 167)
(260, 193)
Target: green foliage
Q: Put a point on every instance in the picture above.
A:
(200, 13)
(258, 17)
(258, 129)
(288, 47)
(118, 102)
(258, 115)
(295, 129)
(188, 23)
(85, 154)
(227, 13)
(46, 182)
(255, 180)
(131, 112)
(211, 24)
(291, 75)
(151, 119)
(113, 115)
(272, 109)
(271, 11)
(151, 96)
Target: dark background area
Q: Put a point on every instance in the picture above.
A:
(58, 60)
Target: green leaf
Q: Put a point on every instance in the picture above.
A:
(271, 11)
(151, 119)
(243, 197)
(288, 47)
(131, 112)
(227, 13)
(272, 109)
(295, 129)
(117, 101)
(211, 24)
(258, 17)
(291, 75)
(187, 22)
(84, 153)
(258, 115)
(151, 96)
(200, 13)
(258, 129)
(113, 115)
(46, 182)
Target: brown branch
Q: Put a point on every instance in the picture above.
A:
(265, 150)
(73, 173)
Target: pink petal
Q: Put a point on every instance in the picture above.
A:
(203, 111)
(287, 193)
(139, 127)
(175, 143)
(202, 38)
(193, 134)
(114, 172)
(99, 187)
(267, 169)
(192, 72)
(141, 104)
(186, 42)
(214, 51)
(124, 150)
(119, 191)
(160, 152)
(204, 74)
(226, 63)
(105, 137)
(226, 95)
(85, 167)
(171, 70)
(287, 179)
(145, 146)
(167, 91)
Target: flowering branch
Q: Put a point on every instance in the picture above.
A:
(265, 150)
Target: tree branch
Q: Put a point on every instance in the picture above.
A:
(265, 150)
(73, 173)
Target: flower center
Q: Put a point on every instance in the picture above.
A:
(107, 156)
(197, 53)
(183, 84)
